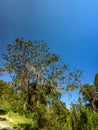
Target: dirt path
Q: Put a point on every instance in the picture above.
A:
(4, 125)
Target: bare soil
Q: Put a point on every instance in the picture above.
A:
(4, 125)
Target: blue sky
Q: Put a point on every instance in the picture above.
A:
(70, 27)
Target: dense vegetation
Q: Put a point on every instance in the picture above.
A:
(39, 78)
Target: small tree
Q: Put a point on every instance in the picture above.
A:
(90, 93)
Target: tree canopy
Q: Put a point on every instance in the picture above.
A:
(90, 93)
(33, 67)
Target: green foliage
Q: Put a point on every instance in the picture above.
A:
(5, 94)
(20, 121)
(82, 118)
(3, 111)
(26, 126)
(59, 114)
(50, 117)
(90, 94)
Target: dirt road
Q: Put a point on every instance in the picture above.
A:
(4, 125)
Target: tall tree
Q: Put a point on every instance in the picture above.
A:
(35, 70)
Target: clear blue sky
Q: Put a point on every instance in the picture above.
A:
(70, 27)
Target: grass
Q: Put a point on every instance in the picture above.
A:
(19, 121)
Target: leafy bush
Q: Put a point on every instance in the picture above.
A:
(3, 110)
